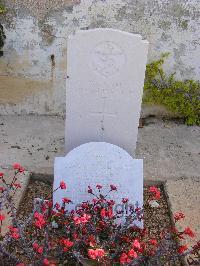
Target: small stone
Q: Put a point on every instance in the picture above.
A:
(154, 204)
(54, 225)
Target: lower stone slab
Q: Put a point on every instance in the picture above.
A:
(100, 163)
(23, 180)
(183, 196)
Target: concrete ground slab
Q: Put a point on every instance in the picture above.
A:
(23, 180)
(184, 196)
(170, 150)
(33, 141)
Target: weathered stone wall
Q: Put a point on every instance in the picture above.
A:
(33, 69)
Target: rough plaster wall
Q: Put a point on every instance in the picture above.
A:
(33, 69)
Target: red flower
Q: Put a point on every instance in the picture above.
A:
(94, 254)
(83, 219)
(89, 190)
(182, 249)
(103, 213)
(21, 169)
(124, 258)
(14, 232)
(178, 216)
(18, 167)
(106, 213)
(136, 244)
(40, 221)
(2, 189)
(124, 200)
(91, 254)
(66, 243)
(63, 185)
(100, 252)
(46, 262)
(13, 229)
(111, 202)
(77, 220)
(75, 236)
(57, 206)
(17, 185)
(15, 235)
(49, 203)
(1, 174)
(112, 187)
(2, 217)
(84, 205)
(153, 242)
(37, 248)
(155, 191)
(110, 213)
(99, 186)
(91, 240)
(35, 245)
(132, 253)
(66, 200)
(40, 250)
(189, 232)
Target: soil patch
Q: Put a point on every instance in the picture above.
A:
(155, 219)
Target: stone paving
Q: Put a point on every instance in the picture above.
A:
(170, 150)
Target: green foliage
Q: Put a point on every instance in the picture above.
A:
(180, 97)
(2, 34)
(2, 9)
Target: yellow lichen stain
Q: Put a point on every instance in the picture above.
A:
(23, 61)
(16, 89)
(15, 63)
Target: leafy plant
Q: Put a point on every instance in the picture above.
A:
(94, 233)
(2, 33)
(2, 9)
(180, 97)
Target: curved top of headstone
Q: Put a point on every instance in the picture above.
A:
(107, 30)
(98, 150)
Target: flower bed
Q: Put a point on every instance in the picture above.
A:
(156, 219)
(51, 235)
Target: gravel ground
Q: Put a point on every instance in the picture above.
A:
(156, 219)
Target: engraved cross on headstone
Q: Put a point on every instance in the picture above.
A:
(102, 114)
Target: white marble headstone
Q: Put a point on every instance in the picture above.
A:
(106, 70)
(98, 163)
